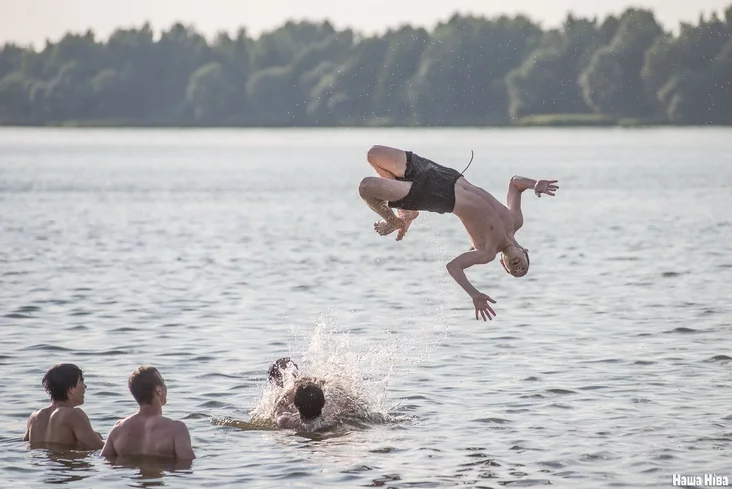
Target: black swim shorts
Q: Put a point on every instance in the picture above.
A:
(433, 186)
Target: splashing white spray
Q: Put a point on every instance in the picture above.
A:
(360, 368)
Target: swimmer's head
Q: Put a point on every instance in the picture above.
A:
(280, 368)
(147, 386)
(515, 260)
(65, 382)
(309, 401)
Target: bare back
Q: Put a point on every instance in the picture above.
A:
(62, 425)
(149, 435)
(486, 220)
(51, 425)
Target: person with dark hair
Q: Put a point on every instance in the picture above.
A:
(148, 432)
(309, 401)
(63, 422)
(410, 183)
(280, 369)
(300, 405)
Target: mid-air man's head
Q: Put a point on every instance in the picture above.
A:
(515, 260)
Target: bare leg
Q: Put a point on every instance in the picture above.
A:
(376, 192)
(390, 163)
(390, 223)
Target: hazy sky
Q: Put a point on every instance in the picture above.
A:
(34, 21)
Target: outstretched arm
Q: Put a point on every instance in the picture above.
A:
(516, 187)
(457, 267)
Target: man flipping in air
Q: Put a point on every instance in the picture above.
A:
(411, 183)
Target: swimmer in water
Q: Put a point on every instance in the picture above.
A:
(148, 432)
(63, 422)
(301, 405)
(311, 399)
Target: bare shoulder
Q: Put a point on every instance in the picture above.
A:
(78, 412)
(32, 421)
(72, 414)
(62, 413)
(34, 415)
(172, 424)
(75, 416)
(121, 423)
(178, 428)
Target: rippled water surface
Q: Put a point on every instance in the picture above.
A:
(209, 254)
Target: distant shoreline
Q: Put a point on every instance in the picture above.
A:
(624, 70)
(555, 123)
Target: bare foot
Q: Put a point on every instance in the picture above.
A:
(408, 217)
(388, 227)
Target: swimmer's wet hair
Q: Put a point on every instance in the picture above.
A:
(309, 400)
(275, 370)
(60, 379)
(142, 384)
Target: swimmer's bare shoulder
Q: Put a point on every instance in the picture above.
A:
(31, 421)
(108, 448)
(81, 427)
(181, 440)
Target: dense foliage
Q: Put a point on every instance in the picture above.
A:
(467, 71)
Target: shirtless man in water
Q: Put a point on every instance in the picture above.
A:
(300, 405)
(147, 432)
(62, 422)
(411, 183)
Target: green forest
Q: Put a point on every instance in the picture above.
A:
(467, 71)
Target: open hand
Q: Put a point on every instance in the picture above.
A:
(481, 306)
(545, 187)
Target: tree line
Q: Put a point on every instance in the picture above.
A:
(468, 70)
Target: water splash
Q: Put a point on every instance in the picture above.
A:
(361, 370)
(351, 367)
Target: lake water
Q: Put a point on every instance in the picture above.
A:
(211, 253)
